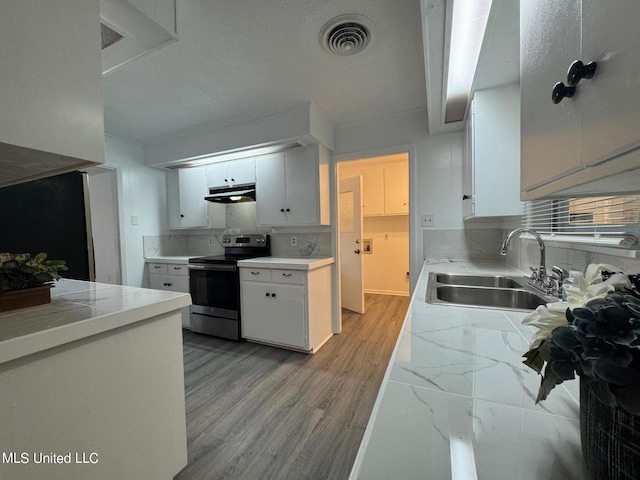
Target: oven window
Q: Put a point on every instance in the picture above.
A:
(215, 289)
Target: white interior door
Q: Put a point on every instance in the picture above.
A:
(350, 229)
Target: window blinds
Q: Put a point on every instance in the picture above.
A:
(612, 220)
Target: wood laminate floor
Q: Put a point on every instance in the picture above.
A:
(256, 412)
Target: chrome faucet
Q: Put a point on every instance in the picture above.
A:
(539, 275)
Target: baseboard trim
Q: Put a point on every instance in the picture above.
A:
(387, 292)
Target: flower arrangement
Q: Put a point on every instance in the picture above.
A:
(22, 271)
(595, 334)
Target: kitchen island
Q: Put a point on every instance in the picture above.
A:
(457, 403)
(92, 385)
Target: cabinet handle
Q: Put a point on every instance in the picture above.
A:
(177, 268)
(466, 197)
(181, 216)
(560, 91)
(286, 274)
(578, 71)
(255, 273)
(233, 179)
(157, 266)
(226, 180)
(167, 284)
(273, 295)
(288, 209)
(282, 209)
(267, 294)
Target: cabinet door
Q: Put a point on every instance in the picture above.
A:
(467, 165)
(193, 206)
(270, 193)
(496, 152)
(396, 189)
(373, 190)
(301, 186)
(274, 313)
(549, 42)
(242, 171)
(217, 175)
(609, 101)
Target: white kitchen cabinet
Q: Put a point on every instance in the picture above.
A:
(172, 277)
(286, 307)
(594, 134)
(491, 167)
(292, 188)
(230, 174)
(396, 188)
(187, 208)
(52, 110)
(385, 186)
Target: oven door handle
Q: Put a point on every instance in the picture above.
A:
(213, 268)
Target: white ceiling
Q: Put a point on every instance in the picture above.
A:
(240, 60)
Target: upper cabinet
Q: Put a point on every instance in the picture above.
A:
(51, 102)
(385, 185)
(186, 189)
(231, 174)
(292, 188)
(491, 167)
(591, 133)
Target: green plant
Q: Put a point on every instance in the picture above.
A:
(23, 271)
(601, 344)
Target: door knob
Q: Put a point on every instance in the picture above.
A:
(357, 251)
(578, 71)
(560, 91)
(358, 242)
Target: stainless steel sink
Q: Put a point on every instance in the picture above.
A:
(495, 281)
(511, 298)
(485, 291)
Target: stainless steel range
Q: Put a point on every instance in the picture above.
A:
(214, 284)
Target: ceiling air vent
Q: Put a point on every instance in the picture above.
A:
(346, 35)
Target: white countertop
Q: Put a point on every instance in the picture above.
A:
(171, 259)
(457, 402)
(291, 263)
(78, 310)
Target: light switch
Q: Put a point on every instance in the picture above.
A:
(427, 220)
(134, 220)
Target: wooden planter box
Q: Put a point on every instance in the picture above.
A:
(28, 297)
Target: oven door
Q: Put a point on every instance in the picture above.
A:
(215, 290)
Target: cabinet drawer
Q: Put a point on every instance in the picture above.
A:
(176, 269)
(172, 283)
(255, 274)
(158, 268)
(288, 276)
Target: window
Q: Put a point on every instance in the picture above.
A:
(613, 220)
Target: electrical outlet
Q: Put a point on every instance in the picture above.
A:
(294, 241)
(427, 220)
(210, 241)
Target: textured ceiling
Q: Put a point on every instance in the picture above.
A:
(245, 59)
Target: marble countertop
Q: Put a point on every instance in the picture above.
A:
(457, 402)
(78, 310)
(291, 263)
(171, 259)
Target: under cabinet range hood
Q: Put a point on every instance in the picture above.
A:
(235, 194)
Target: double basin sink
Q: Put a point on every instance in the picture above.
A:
(488, 291)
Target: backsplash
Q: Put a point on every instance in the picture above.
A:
(524, 254)
(241, 218)
(463, 244)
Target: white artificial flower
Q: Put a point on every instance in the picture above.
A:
(547, 317)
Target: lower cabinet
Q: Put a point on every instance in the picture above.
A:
(173, 277)
(286, 308)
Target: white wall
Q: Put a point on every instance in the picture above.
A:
(385, 269)
(143, 205)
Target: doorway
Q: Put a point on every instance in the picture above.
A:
(385, 232)
(103, 205)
